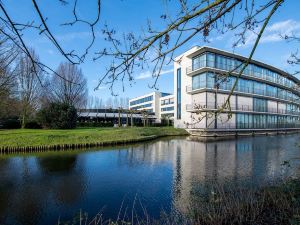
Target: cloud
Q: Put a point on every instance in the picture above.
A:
(144, 75)
(274, 32)
(100, 88)
(166, 71)
(50, 52)
(147, 74)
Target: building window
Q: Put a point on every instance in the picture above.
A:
(260, 105)
(179, 93)
(210, 80)
(199, 81)
(165, 94)
(210, 60)
(142, 106)
(142, 100)
(167, 101)
(245, 86)
(259, 121)
(199, 62)
(244, 121)
(167, 109)
(272, 121)
(271, 91)
(259, 88)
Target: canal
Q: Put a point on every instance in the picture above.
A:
(159, 176)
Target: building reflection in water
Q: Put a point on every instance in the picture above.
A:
(167, 173)
(247, 163)
(196, 165)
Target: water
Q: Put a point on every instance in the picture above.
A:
(160, 175)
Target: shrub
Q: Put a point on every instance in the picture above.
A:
(58, 116)
(10, 123)
(33, 124)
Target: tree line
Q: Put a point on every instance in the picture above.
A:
(26, 91)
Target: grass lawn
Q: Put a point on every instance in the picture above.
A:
(34, 137)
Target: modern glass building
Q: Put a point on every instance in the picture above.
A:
(159, 103)
(263, 97)
(167, 107)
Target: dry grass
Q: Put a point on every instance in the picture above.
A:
(276, 205)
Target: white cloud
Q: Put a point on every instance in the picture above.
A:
(148, 74)
(166, 71)
(100, 88)
(274, 32)
(144, 75)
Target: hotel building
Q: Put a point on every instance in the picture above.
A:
(265, 97)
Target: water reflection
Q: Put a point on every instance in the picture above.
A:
(30, 184)
(165, 174)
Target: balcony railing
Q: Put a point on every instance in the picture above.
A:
(251, 73)
(202, 106)
(248, 90)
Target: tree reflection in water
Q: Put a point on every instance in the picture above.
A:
(29, 184)
(171, 173)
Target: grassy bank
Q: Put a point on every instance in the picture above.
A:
(86, 137)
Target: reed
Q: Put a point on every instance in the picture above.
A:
(278, 204)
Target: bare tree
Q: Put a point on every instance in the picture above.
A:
(14, 31)
(72, 88)
(29, 86)
(116, 102)
(153, 48)
(294, 59)
(194, 19)
(8, 88)
(109, 103)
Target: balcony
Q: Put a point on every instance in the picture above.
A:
(194, 69)
(210, 106)
(246, 90)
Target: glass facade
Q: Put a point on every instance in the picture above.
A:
(211, 80)
(179, 93)
(142, 100)
(268, 85)
(260, 105)
(244, 121)
(167, 101)
(165, 94)
(231, 64)
(171, 108)
(142, 106)
(262, 121)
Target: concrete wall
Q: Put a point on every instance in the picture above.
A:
(182, 62)
(199, 99)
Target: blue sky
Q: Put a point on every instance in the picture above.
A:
(132, 15)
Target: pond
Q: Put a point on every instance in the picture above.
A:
(157, 176)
